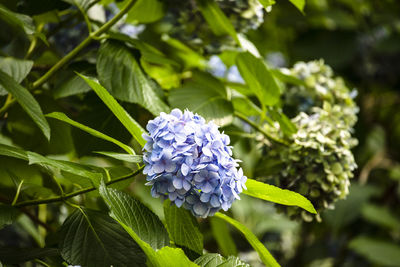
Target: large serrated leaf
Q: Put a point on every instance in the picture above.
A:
(259, 78)
(27, 102)
(121, 74)
(130, 124)
(262, 251)
(91, 238)
(277, 195)
(183, 228)
(137, 216)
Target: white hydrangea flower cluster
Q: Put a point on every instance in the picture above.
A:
(318, 162)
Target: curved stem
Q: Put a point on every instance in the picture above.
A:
(82, 45)
(260, 129)
(75, 193)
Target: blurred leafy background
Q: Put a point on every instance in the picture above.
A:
(359, 39)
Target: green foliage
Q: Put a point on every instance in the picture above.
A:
(92, 238)
(101, 70)
(183, 228)
(277, 195)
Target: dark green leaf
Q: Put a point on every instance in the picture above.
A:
(17, 21)
(378, 252)
(18, 69)
(27, 101)
(62, 117)
(183, 228)
(223, 237)
(216, 19)
(13, 152)
(67, 166)
(121, 74)
(205, 95)
(262, 251)
(277, 195)
(136, 216)
(130, 124)
(380, 215)
(259, 78)
(7, 216)
(19, 255)
(91, 238)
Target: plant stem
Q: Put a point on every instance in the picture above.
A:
(82, 45)
(75, 193)
(260, 129)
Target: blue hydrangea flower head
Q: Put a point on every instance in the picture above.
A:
(190, 162)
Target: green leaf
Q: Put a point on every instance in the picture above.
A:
(8, 214)
(123, 157)
(210, 260)
(27, 101)
(223, 237)
(267, 3)
(62, 117)
(145, 11)
(136, 216)
(121, 74)
(81, 4)
(275, 194)
(130, 124)
(377, 251)
(259, 78)
(18, 69)
(205, 95)
(233, 261)
(91, 238)
(380, 215)
(145, 228)
(18, 21)
(67, 166)
(69, 86)
(19, 255)
(183, 228)
(13, 152)
(299, 4)
(262, 251)
(216, 19)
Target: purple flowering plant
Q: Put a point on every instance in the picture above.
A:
(190, 162)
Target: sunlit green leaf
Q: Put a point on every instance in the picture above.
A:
(123, 157)
(277, 195)
(259, 78)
